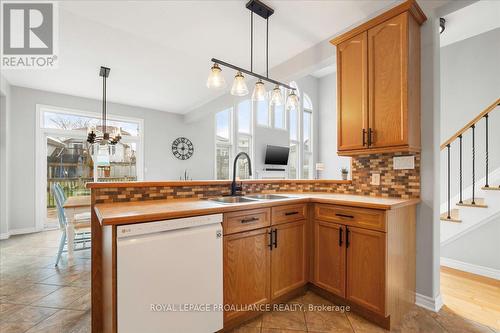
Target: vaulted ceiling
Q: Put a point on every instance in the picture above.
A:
(159, 51)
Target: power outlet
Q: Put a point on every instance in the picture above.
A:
(375, 179)
(403, 162)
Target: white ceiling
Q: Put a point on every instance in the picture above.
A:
(475, 19)
(159, 51)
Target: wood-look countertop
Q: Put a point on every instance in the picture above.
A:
(154, 210)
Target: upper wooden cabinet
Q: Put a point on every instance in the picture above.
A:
(378, 83)
(352, 93)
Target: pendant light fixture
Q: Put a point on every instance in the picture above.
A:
(239, 87)
(259, 92)
(215, 78)
(103, 137)
(276, 96)
(292, 101)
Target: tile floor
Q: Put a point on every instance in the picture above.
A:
(37, 297)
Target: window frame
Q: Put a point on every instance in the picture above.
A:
(255, 111)
(228, 144)
(42, 132)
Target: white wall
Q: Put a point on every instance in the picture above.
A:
(427, 274)
(327, 129)
(470, 81)
(160, 129)
(482, 246)
(4, 153)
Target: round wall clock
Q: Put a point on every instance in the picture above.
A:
(182, 148)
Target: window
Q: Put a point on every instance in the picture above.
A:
(278, 113)
(293, 159)
(307, 139)
(245, 117)
(65, 157)
(262, 113)
(307, 171)
(223, 143)
(234, 130)
(244, 137)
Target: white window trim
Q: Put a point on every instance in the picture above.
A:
(237, 133)
(311, 172)
(255, 111)
(229, 144)
(41, 151)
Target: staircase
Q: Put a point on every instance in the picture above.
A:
(461, 206)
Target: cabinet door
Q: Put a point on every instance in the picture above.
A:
(352, 99)
(329, 257)
(388, 80)
(288, 258)
(246, 269)
(366, 253)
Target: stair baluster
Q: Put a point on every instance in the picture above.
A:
(460, 169)
(486, 118)
(473, 163)
(449, 207)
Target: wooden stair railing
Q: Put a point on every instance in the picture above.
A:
(452, 215)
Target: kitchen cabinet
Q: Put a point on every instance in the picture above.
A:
(366, 268)
(288, 258)
(352, 93)
(378, 84)
(330, 256)
(247, 262)
(366, 257)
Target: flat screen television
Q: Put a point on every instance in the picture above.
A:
(276, 155)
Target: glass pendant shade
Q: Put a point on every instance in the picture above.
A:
(215, 78)
(292, 101)
(239, 86)
(276, 96)
(259, 92)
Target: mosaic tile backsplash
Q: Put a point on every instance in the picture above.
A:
(393, 183)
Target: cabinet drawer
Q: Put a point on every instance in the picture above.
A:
(360, 217)
(288, 213)
(246, 220)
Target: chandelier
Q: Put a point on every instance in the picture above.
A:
(239, 88)
(102, 136)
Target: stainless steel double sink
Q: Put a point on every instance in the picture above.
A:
(249, 198)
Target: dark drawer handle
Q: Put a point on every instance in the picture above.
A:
(291, 213)
(340, 236)
(270, 233)
(347, 241)
(251, 219)
(275, 238)
(344, 215)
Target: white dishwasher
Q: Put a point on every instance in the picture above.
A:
(165, 268)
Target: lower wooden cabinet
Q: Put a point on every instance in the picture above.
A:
(366, 260)
(262, 265)
(330, 257)
(288, 258)
(247, 262)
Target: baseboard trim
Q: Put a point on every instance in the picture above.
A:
(22, 231)
(433, 304)
(471, 268)
(4, 235)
